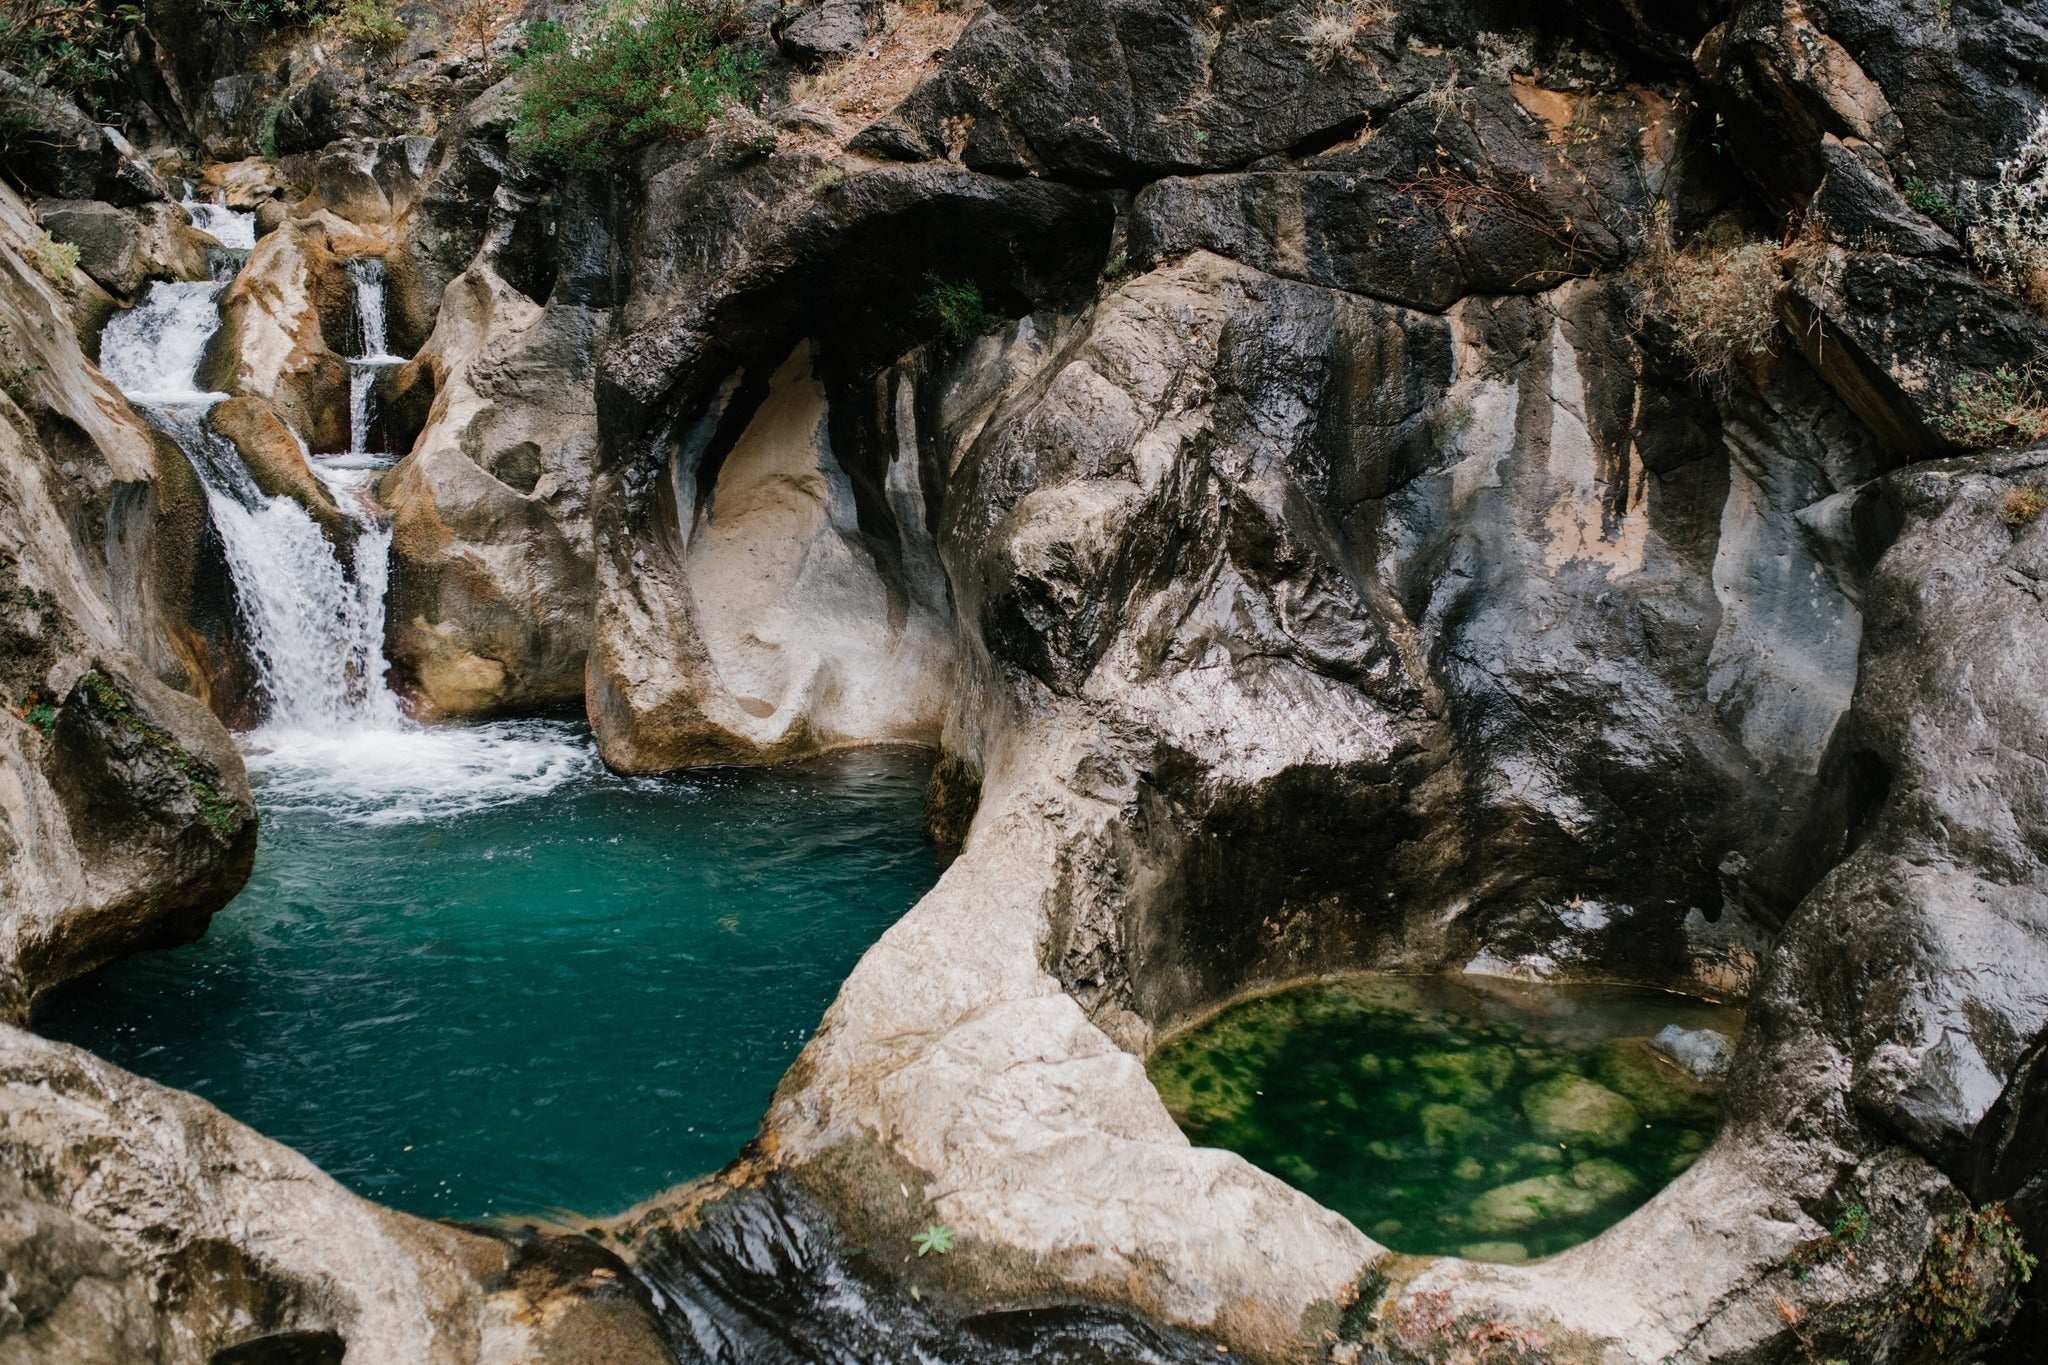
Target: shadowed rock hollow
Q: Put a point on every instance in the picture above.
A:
(1438, 489)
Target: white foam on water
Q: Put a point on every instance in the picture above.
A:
(233, 229)
(409, 773)
(334, 736)
(152, 351)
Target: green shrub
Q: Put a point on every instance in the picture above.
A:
(2002, 408)
(958, 309)
(63, 45)
(372, 23)
(626, 77)
(57, 260)
(1926, 199)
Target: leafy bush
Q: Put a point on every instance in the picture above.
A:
(958, 309)
(626, 77)
(1975, 1268)
(57, 260)
(2002, 408)
(1723, 301)
(2007, 233)
(63, 45)
(372, 23)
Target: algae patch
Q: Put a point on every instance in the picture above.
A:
(1498, 1123)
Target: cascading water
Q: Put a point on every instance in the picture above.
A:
(235, 231)
(334, 734)
(366, 274)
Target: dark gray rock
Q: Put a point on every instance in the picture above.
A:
(124, 249)
(827, 30)
(57, 151)
(1903, 339)
(1131, 90)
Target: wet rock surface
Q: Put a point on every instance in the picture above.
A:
(1325, 546)
(125, 819)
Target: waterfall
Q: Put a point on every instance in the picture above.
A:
(333, 735)
(235, 231)
(315, 636)
(366, 274)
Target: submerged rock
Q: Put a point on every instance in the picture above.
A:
(1570, 1109)
(1583, 1190)
(1704, 1053)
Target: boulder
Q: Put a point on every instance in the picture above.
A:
(368, 182)
(285, 323)
(1585, 1189)
(1704, 1053)
(56, 150)
(1906, 339)
(243, 185)
(274, 458)
(113, 1187)
(492, 574)
(826, 30)
(1572, 1110)
(124, 249)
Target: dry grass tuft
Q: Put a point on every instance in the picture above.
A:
(2024, 506)
(1723, 302)
(1333, 30)
(915, 37)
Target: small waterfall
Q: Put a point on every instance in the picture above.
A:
(235, 231)
(373, 357)
(316, 637)
(334, 737)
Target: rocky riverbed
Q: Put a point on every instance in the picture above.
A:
(1421, 488)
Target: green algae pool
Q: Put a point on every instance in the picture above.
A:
(474, 973)
(1471, 1117)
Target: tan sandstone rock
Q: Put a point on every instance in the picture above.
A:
(491, 576)
(284, 324)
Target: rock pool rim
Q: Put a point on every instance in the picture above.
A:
(1395, 1262)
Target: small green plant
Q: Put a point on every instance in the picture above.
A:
(827, 180)
(266, 129)
(58, 261)
(38, 710)
(1924, 198)
(958, 309)
(628, 76)
(936, 1239)
(372, 23)
(2002, 408)
(1975, 1268)
(2024, 506)
(1851, 1226)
